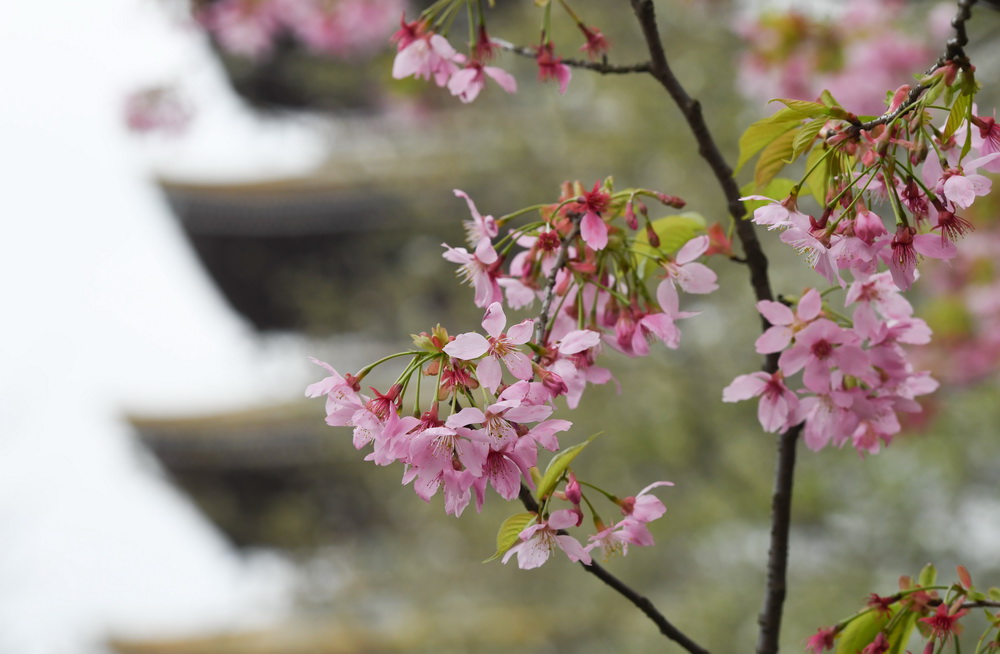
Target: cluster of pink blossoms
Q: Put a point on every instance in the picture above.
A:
(609, 304)
(342, 28)
(855, 374)
(425, 54)
(493, 397)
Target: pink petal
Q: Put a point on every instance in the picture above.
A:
(488, 372)
(931, 245)
(519, 366)
(495, 320)
(774, 339)
(485, 252)
(467, 346)
(573, 549)
(666, 296)
(562, 519)
(520, 333)
(564, 75)
(503, 78)
(745, 386)
(775, 312)
(467, 416)
(594, 231)
(579, 340)
(772, 412)
(698, 278)
(692, 250)
(810, 304)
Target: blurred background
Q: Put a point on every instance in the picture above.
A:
(197, 204)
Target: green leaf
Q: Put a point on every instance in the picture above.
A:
(674, 231)
(994, 593)
(928, 575)
(828, 100)
(764, 131)
(536, 476)
(509, 531)
(557, 466)
(899, 634)
(772, 159)
(806, 137)
(804, 108)
(777, 189)
(817, 179)
(860, 632)
(959, 114)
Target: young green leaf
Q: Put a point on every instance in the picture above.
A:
(860, 632)
(509, 531)
(764, 131)
(557, 466)
(959, 113)
(773, 159)
(804, 108)
(806, 137)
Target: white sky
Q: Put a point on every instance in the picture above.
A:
(104, 310)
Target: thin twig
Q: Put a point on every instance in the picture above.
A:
(602, 67)
(641, 602)
(550, 284)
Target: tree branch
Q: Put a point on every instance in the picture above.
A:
(541, 333)
(691, 109)
(602, 67)
(777, 565)
(769, 619)
(641, 602)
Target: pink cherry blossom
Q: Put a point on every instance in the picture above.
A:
(784, 323)
(537, 542)
(480, 227)
(426, 57)
(779, 407)
(868, 226)
(903, 249)
(820, 347)
(644, 507)
(499, 346)
(691, 276)
(962, 186)
(468, 82)
(479, 270)
(551, 67)
(822, 640)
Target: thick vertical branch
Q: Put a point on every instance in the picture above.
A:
(707, 148)
(777, 564)
(769, 619)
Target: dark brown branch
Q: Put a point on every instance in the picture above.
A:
(691, 109)
(777, 567)
(641, 602)
(769, 619)
(602, 67)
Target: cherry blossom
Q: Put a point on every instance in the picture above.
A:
(551, 67)
(499, 346)
(778, 408)
(537, 542)
(468, 82)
